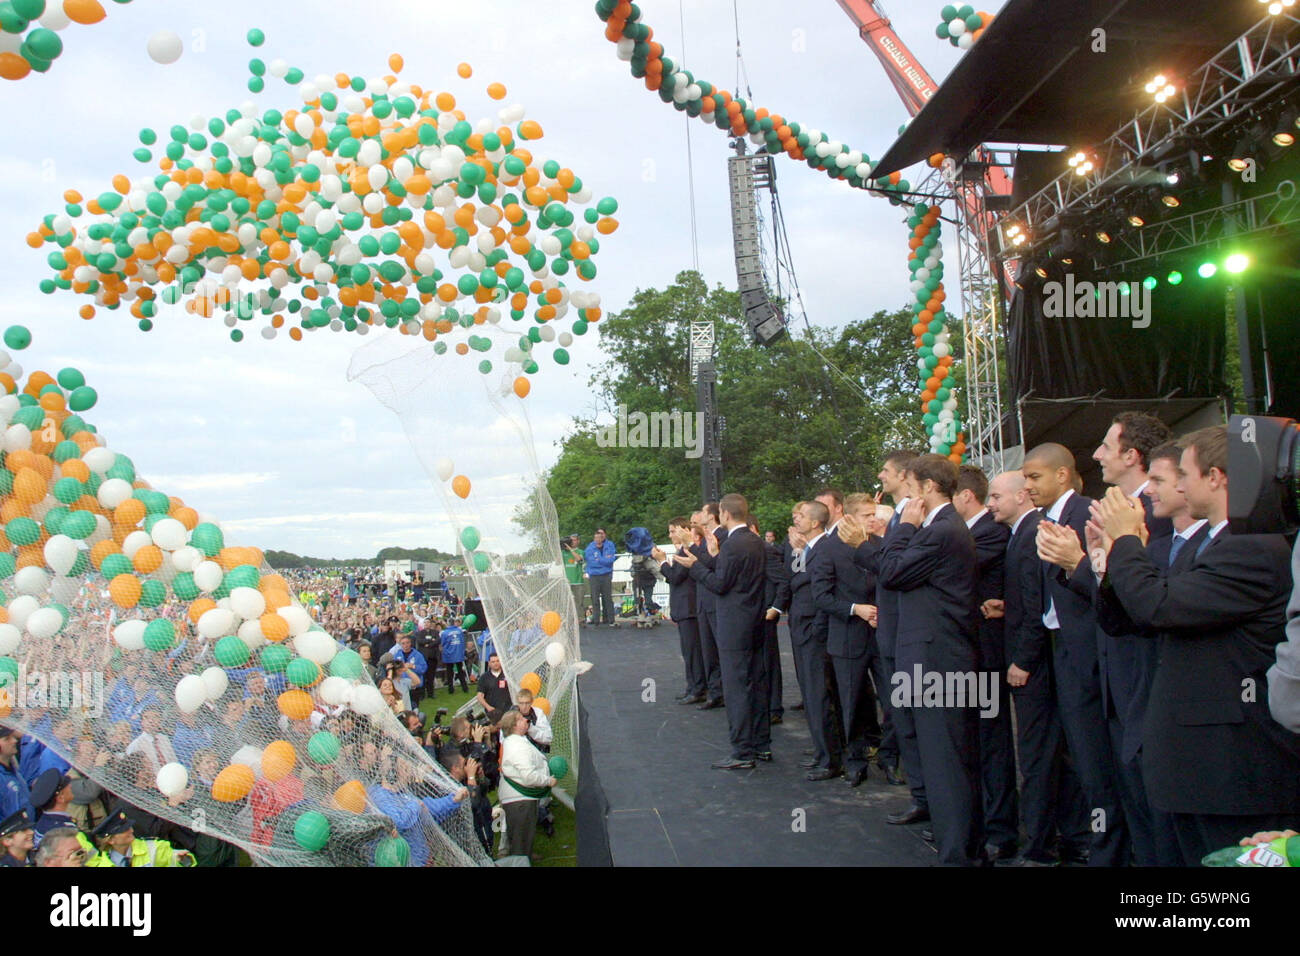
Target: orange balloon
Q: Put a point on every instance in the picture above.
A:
(542, 704)
(148, 559)
(551, 623)
(29, 486)
(84, 11)
(101, 550)
(199, 607)
(497, 91)
(278, 760)
(274, 627)
(395, 63)
(522, 386)
(295, 704)
(531, 682)
(464, 71)
(351, 797)
(460, 485)
(13, 66)
(125, 590)
(233, 783)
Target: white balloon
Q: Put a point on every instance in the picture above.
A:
(172, 779)
(190, 693)
(207, 576)
(941, 349)
(61, 553)
(165, 47)
(10, 638)
(555, 653)
(250, 757)
(17, 438)
(334, 690)
(367, 700)
(31, 580)
(168, 533)
(54, 17)
(250, 632)
(44, 623)
(966, 41)
(445, 468)
(129, 635)
(216, 622)
(247, 602)
(186, 558)
(215, 682)
(957, 27)
(299, 620)
(134, 542)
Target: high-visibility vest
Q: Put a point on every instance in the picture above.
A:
(144, 853)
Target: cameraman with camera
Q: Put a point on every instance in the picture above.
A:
(469, 772)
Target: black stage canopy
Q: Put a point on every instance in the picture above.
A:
(1034, 77)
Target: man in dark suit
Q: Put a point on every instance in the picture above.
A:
(705, 523)
(1212, 754)
(843, 592)
(681, 608)
(808, 629)
(738, 578)
(776, 596)
(1070, 619)
(1050, 799)
(997, 747)
(931, 562)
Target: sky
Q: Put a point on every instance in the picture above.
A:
(271, 438)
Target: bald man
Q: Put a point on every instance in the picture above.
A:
(1050, 477)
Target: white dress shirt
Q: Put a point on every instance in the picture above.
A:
(1050, 620)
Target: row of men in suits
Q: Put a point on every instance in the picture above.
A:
(1133, 635)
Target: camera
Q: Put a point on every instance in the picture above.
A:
(1264, 469)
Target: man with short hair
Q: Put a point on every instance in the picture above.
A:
(997, 747)
(15, 794)
(1212, 755)
(682, 612)
(493, 690)
(61, 847)
(599, 559)
(1072, 622)
(151, 742)
(738, 579)
(932, 563)
(705, 524)
(51, 795)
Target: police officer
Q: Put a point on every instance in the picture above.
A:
(14, 793)
(117, 844)
(17, 838)
(51, 796)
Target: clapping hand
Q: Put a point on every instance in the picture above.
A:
(711, 542)
(684, 558)
(658, 554)
(913, 512)
(1121, 515)
(1059, 545)
(797, 541)
(994, 608)
(851, 531)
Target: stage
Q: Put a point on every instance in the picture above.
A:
(667, 807)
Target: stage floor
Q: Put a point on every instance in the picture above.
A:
(667, 807)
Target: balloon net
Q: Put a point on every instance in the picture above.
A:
(180, 673)
(481, 459)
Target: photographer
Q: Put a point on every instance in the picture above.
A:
(474, 741)
(469, 772)
(411, 677)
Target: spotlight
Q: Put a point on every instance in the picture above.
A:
(1136, 221)
(1160, 88)
(1237, 262)
(1173, 178)
(1150, 282)
(1285, 131)
(1206, 270)
(1040, 272)
(1174, 278)
(1103, 236)
(1170, 200)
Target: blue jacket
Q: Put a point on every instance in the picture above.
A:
(14, 794)
(452, 640)
(600, 560)
(414, 658)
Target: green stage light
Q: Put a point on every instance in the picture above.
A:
(1206, 270)
(1237, 262)
(1175, 277)
(1150, 282)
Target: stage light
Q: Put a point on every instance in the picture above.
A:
(1237, 262)
(1040, 272)
(1285, 131)
(1103, 236)
(1206, 270)
(1161, 88)
(1174, 277)
(1136, 221)
(1081, 164)
(1170, 200)
(1150, 282)
(1172, 178)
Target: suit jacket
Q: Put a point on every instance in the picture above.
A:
(807, 623)
(681, 591)
(934, 569)
(738, 578)
(990, 565)
(1210, 745)
(706, 601)
(776, 592)
(1076, 647)
(1026, 639)
(838, 582)
(886, 598)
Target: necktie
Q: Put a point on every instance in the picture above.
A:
(1178, 544)
(893, 522)
(1204, 544)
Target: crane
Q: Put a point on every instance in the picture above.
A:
(979, 177)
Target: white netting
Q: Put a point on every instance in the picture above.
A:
(182, 675)
(479, 454)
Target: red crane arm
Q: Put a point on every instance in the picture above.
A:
(913, 84)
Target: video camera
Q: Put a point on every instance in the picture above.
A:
(1264, 470)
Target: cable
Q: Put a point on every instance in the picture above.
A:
(690, 156)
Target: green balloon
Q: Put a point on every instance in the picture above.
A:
(207, 538)
(152, 593)
(17, 337)
(323, 747)
(28, 9)
(311, 831)
(256, 37)
(469, 621)
(393, 851)
(481, 563)
(231, 652)
(347, 663)
(469, 538)
(275, 658)
(184, 587)
(559, 766)
(113, 565)
(302, 672)
(46, 44)
(23, 531)
(7, 565)
(160, 635)
(82, 398)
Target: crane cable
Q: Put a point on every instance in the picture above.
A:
(690, 158)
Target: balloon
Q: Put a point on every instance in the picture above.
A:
(311, 830)
(168, 534)
(468, 621)
(555, 653)
(323, 747)
(334, 690)
(551, 625)
(233, 783)
(278, 760)
(165, 47)
(215, 682)
(247, 602)
(316, 646)
(299, 621)
(17, 337)
(367, 701)
(231, 652)
(444, 468)
(531, 682)
(45, 623)
(129, 635)
(347, 665)
(469, 538)
(351, 797)
(172, 779)
(542, 704)
(392, 851)
(297, 704)
(10, 638)
(302, 672)
(460, 485)
(158, 635)
(215, 623)
(558, 765)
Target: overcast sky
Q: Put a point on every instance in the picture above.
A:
(271, 437)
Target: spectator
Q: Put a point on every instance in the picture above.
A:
(61, 847)
(493, 691)
(539, 725)
(469, 773)
(156, 746)
(14, 792)
(391, 697)
(599, 558)
(413, 667)
(452, 641)
(17, 838)
(525, 779)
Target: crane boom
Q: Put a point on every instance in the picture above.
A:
(910, 79)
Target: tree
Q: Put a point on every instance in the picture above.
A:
(818, 408)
